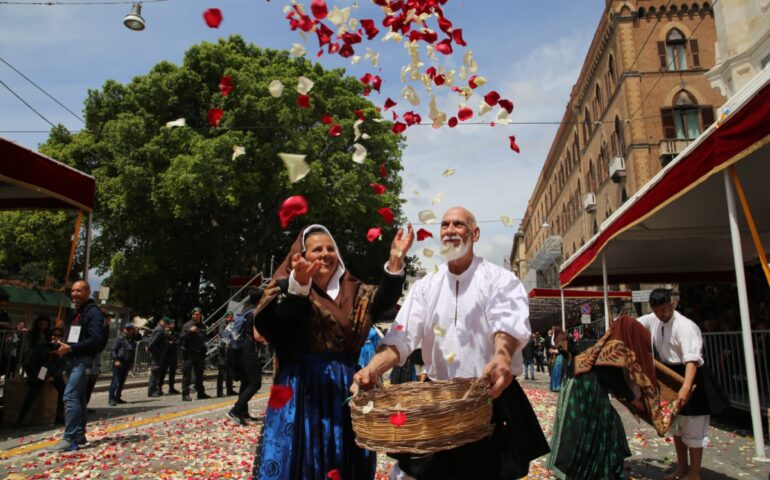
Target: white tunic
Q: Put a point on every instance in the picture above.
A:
(677, 342)
(454, 319)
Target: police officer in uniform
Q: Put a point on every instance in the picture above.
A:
(193, 343)
(157, 348)
(171, 360)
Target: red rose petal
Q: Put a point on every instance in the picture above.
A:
(514, 147)
(412, 118)
(334, 48)
(327, 119)
(465, 113)
(318, 7)
(334, 475)
(351, 38)
(369, 28)
(383, 171)
(215, 115)
(373, 234)
(444, 24)
(398, 419)
(472, 81)
(386, 214)
(429, 36)
(366, 78)
(376, 83)
(398, 127)
(292, 207)
(324, 34)
(431, 72)
(213, 17)
(457, 36)
(303, 101)
(506, 104)
(439, 80)
(225, 85)
(452, 122)
(335, 131)
(346, 51)
(280, 394)
(444, 46)
(399, 328)
(491, 98)
(422, 234)
(378, 188)
(360, 114)
(389, 104)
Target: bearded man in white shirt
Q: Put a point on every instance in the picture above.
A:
(678, 343)
(471, 319)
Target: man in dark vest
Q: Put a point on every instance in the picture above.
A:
(193, 343)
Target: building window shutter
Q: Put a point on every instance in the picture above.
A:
(695, 53)
(669, 131)
(662, 55)
(706, 116)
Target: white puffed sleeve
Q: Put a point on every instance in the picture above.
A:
(406, 332)
(692, 343)
(508, 309)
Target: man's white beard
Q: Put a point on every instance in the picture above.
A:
(450, 252)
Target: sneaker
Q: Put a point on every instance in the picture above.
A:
(235, 418)
(63, 446)
(113, 403)
(83, 442)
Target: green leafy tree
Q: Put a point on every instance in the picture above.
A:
(176, 216)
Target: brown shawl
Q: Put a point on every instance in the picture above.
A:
(336, 325)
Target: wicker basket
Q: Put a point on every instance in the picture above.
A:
(440, 415)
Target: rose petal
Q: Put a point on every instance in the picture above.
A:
(359, 153)
(369, 27)
(238, 151)
(327, 119)
(410, 95)
(503, 117)
(291, 208)
(444, 46)
(225, 85)
(452, 122)
(214, 116)
(383, 171)
(448, 172)
(439, 330)
(444, 24)
(398, 419)
(506, 221)
(476, 81)
(339, 16)
(335, 131)
(213, 17)
(398, 128)
(427, 252)
(492, 98)
(297, 49)
(464, 113)
(296, 166)
(422, 234)
(346, 51)
(318, 7)
(426, 216)
(280, 394)
(450, 358)
(389, 104)
(378, 188)
(359, 114)
(368, 407)
(179, 122)
(304, 85)
(275, 88)
(437, 199)
(457, 36)
(303, 101)
(373, 234)
(387, 215)
(484, 108)
(514, 147)
(399, 328)
(356, 130)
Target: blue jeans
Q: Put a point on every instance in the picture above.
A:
(119, 375)
(75, 397)
(529, 369)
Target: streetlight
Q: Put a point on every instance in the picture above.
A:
(134, 20)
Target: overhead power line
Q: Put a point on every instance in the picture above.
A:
(27, 104)
(61, 4)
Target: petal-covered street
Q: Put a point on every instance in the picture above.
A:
(167, 440)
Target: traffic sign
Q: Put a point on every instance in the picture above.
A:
(585, 309)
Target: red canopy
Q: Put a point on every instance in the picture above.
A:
(555, 293)
(31, 180)
(676, 227)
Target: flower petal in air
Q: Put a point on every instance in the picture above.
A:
(226, 85)
(383, 171)
(398, 128)
(335, 131)
(389, 104)
(514, 146)
(506, 104)
(275, 88)
(179, 122)
(297, 50)
(492, 98)
(484, 108)
(452, 122)
(386, 214)
(291, 208)
(327, 119)
(213, 17)
(214, 116)
(238, 151)
(296, 166)
(444, 46)
(359, 153)
(304, 85)
(410, 95)
(426, 216)
(465, 113)
(303, 101)
(503, 117)
(279, 395)
(318, 7)
(373, 234)
(448, 172)
(339, 16)
(376, 83)
(457, 36)
(439, 330)
(378, 188)
(357, 131)
(450, 358)
(422, 234)
(506, 221)
(427, 252)
(437, 199)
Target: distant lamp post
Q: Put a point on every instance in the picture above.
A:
(134, 20)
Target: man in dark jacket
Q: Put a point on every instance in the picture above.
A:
(251, 364)
(171, 360)
(122, 355)
(157, 348)
(193, 343)
(228, 351)
(84, 341)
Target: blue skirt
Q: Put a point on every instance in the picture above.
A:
(312, 434)
(556, 373)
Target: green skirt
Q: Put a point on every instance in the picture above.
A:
(588, 440)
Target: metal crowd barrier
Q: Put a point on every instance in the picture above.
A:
(723, 354)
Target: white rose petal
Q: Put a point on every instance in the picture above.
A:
(437, 198)
(179, 122)
(295, 166)
(238, 151)
(297, 49)
(359, 154)
(448, 172)
(426, 216)
(304, 85)
(275, 88)
(427, 252)
(368, 407)
(450, 359)
(439, 330)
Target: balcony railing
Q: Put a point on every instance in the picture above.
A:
(673, 147)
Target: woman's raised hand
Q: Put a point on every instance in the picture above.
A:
(401, 244)
(304, 271)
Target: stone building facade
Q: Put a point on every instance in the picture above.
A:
(642, 96)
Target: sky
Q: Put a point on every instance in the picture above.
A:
(529, 51)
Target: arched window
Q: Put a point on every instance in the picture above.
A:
(612, 73)
(686, 119)
(604, 163)
(587, 124)
(619, 136)
(598, 102)
(591, 179)
(675, 51)
(576, 146)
